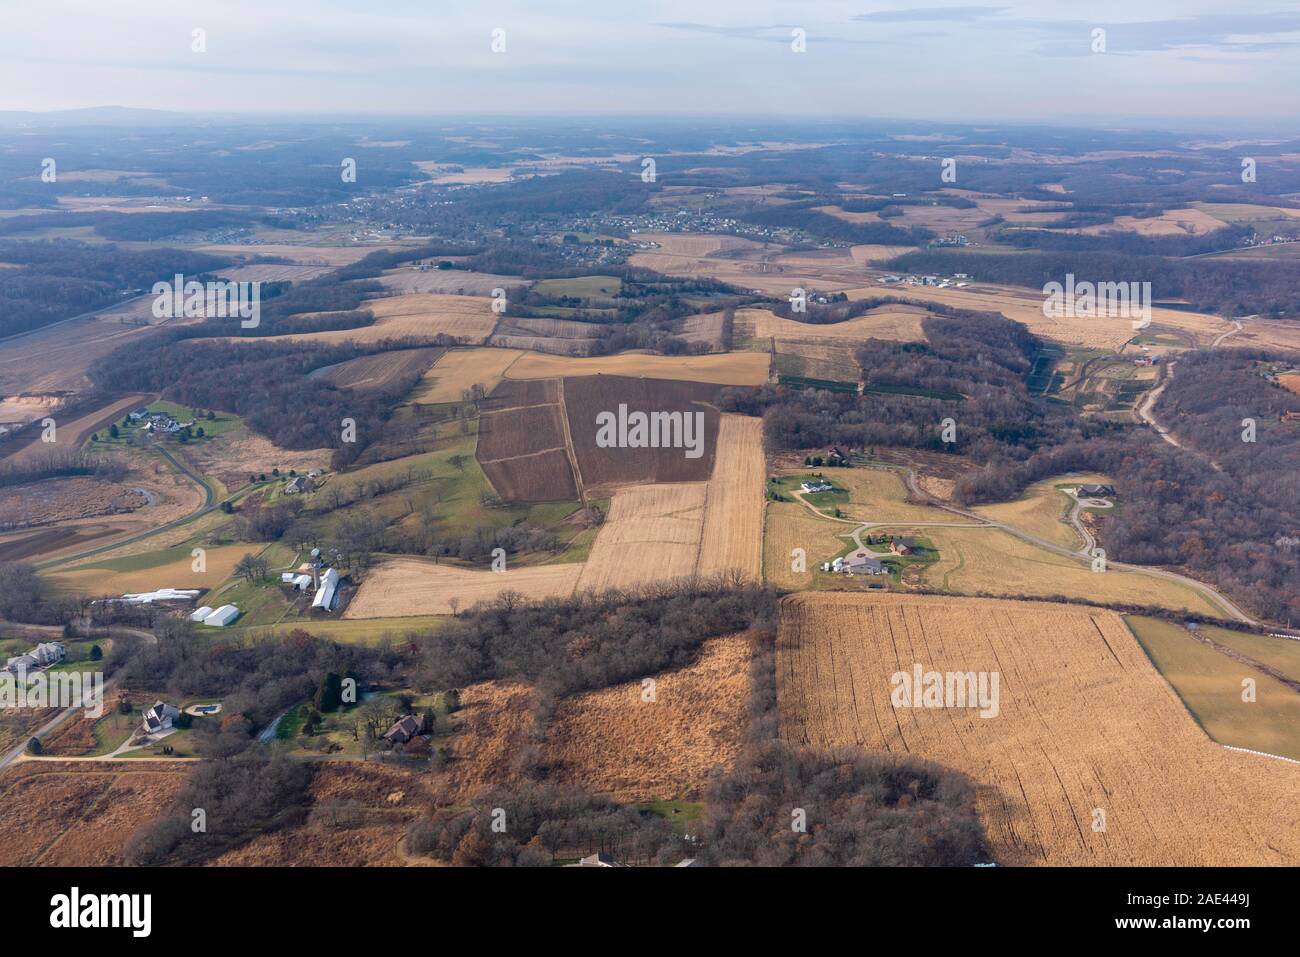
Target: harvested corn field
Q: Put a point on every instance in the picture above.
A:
(1085, 729)
(728, 368)
(652, 535)
(733, 512)
(407, 586)
(460, 369)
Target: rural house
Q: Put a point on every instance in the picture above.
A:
(406, 728)
(160, 717)
(43, 655)
(903, 546)
(1096, 491)
(817, 486)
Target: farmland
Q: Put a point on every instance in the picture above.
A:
(731, 368)
(652, 534)
(732, 538)
(468, 319)
(587, 397)
(1210, 684)
(896, 323)
(409, 586)
(147, 571)
(459, 369)
(521, 445)
(1086, 730)
(989, 561)
(380, 371)
(1042, 510)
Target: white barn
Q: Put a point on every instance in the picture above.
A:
(222, 616)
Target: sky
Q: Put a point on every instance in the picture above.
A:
(1184, 64)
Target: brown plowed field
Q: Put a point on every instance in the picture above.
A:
(586, 397)
(541, 477)
(521, 446)
(1085, 722)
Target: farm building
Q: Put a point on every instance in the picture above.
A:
(162, 594)
(328, 590)
(222, 616)
(198, 614)
(860, 565)
(300, 581)
(300, 483)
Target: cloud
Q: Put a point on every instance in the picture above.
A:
(931, 15)
(776, 33)
(1229, 33)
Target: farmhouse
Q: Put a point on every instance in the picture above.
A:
(405, 728)
(903, 546)
(159, 717)
(45, 654)
(300, 483)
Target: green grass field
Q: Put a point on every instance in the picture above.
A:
(581, 287)
(1210, 685)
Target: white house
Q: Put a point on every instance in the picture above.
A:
(50, 652)
(160, 717)
(222, 616)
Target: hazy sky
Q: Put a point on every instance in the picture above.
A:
(1176, 61)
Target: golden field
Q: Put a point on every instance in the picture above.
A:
(1091, 758)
